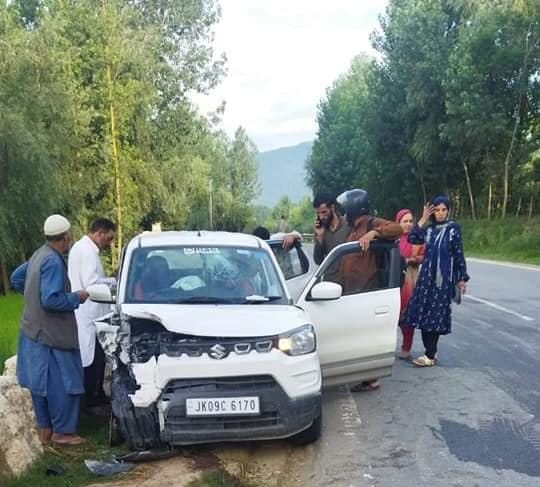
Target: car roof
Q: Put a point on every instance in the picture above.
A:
(195, 238)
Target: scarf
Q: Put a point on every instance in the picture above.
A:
(405, 248)
(441, 263)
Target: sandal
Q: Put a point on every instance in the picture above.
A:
(366, 386)
(67, 439)
(424, 361)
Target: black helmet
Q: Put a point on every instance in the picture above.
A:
(355, 203)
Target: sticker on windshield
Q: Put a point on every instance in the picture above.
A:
(201, 250)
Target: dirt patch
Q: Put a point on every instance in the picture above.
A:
(272, 464)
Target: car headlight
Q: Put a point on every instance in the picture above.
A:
(299, 341)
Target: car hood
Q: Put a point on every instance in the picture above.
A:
(221, 320)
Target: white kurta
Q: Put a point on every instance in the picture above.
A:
(85, 269)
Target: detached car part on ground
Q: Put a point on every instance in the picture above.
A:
(207, 345)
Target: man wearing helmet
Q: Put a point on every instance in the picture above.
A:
(358, 272)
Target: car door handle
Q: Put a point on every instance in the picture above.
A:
(382, 310)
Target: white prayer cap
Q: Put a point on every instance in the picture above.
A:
(56, 225)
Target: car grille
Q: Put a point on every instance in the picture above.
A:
(224, 384)
(147, 344)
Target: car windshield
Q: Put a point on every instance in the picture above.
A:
(203, 275)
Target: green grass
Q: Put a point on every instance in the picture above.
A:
(10, 314)
(514, 240)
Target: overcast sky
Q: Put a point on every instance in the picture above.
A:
(282, 55)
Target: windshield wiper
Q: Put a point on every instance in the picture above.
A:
(204, 300)
(256, 298)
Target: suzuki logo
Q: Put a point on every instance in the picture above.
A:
(218, 351)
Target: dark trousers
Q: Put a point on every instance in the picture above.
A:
(93, 379)
(430, 339)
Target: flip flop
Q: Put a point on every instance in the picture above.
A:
(61, 439)
(424, 361)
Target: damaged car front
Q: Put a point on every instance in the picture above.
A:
(206, 345)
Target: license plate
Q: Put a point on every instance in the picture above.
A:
(219, 406)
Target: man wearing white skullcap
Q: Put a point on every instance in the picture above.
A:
(48, 357)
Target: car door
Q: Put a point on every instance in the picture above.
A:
(294, 264)
(356, 328)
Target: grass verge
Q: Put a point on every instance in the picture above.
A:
(514, 240)
(10, 314)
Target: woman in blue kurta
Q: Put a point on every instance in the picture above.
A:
(442, 277)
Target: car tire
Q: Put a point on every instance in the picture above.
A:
(310, 435)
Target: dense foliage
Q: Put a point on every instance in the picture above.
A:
(451, 104)
(96, 120)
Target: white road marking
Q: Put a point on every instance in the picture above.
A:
(500, 308)
(505, 264)
(349, 414)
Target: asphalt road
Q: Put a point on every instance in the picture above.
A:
(473, 421)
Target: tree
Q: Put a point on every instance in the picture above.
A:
(451, 105)
(340, 150)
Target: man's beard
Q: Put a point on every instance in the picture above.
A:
(326, 221)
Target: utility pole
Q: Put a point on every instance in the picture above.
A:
(210, 209)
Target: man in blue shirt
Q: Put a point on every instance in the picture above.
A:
(48, 357)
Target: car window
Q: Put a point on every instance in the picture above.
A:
(183, 274)
(289, 261)
(358, 271)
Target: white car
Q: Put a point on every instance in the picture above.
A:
(208, 345)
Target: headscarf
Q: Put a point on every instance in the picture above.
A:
(442, 263)
(438, 200)
(405, 248)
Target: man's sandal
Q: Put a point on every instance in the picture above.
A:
(67, 439)
(424, 361)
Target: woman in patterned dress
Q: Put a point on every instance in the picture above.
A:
(443, 275)
(414, 256)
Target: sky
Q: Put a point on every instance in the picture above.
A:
(282, 55)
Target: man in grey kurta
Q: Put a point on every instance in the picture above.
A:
(48, 357)
(331, 230)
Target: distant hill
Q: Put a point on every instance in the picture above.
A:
(282, 173)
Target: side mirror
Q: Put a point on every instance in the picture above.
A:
(326, 291)
(100, 293)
